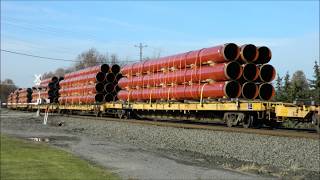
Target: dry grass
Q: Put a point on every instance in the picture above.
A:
(227, 166)
(291, 172)
(253, 168)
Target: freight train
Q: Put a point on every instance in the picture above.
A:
(224, 82)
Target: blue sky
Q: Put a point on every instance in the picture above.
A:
(65, 29)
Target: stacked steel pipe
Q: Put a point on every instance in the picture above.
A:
(214, 72)
(53, 89)
(16, 96)
(10, 99)
(91, 85)
(43, 94)
(49, 90)
(205, 73)
(43, 89)
(25, 95)
(257, 73)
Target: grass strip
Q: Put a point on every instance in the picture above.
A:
(23, 160)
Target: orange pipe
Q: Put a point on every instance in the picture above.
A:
(229, 89)
(217, 72)
(266, 91)
(267, 73)
(264, 55)
(217, 54)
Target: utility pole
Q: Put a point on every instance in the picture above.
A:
(140, 46)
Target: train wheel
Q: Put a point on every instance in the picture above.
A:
(70, 112)
(122, 114)
(230, 119)
(257, 124)
(98, 114)
(248, 121)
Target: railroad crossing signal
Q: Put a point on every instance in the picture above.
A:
(37, 81)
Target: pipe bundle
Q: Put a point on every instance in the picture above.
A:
(49, 90)
(24, 95)
(16, 96)
(21, 95)
(53, 89)
(205, 73)
(11, 98)
(216, 72)
(90, 85)
(43, 89)
(257, 74)
(43, 94)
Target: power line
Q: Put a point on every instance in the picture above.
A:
(17, 41)
(36, 56)
(47, 58)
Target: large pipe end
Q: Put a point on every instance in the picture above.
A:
(99, 97)
(29, 90)
(231, 51)
(99, 87)
(233, 70)
(232, 89)
(54, 79)
(266, 91)
(108, 97)
(250, 72)
(105, 68)
(267, 73)
(115, 69)
(110, 77)
(52, 85)
(101, 76)
(264, 55)
(249, 53)
(250, 90)
(109, 87)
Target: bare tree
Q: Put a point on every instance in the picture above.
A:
(47, 75)
(107, 58)
(89, 58)
(6, 87)
(156, 53)
(114, 59)
(59, 72)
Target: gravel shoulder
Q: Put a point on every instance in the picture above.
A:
(152, 152)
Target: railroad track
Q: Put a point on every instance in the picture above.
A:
(274, 132)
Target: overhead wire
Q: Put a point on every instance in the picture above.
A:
(47, 58)
(36, 56)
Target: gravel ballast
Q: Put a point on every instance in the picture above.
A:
(262, 149)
